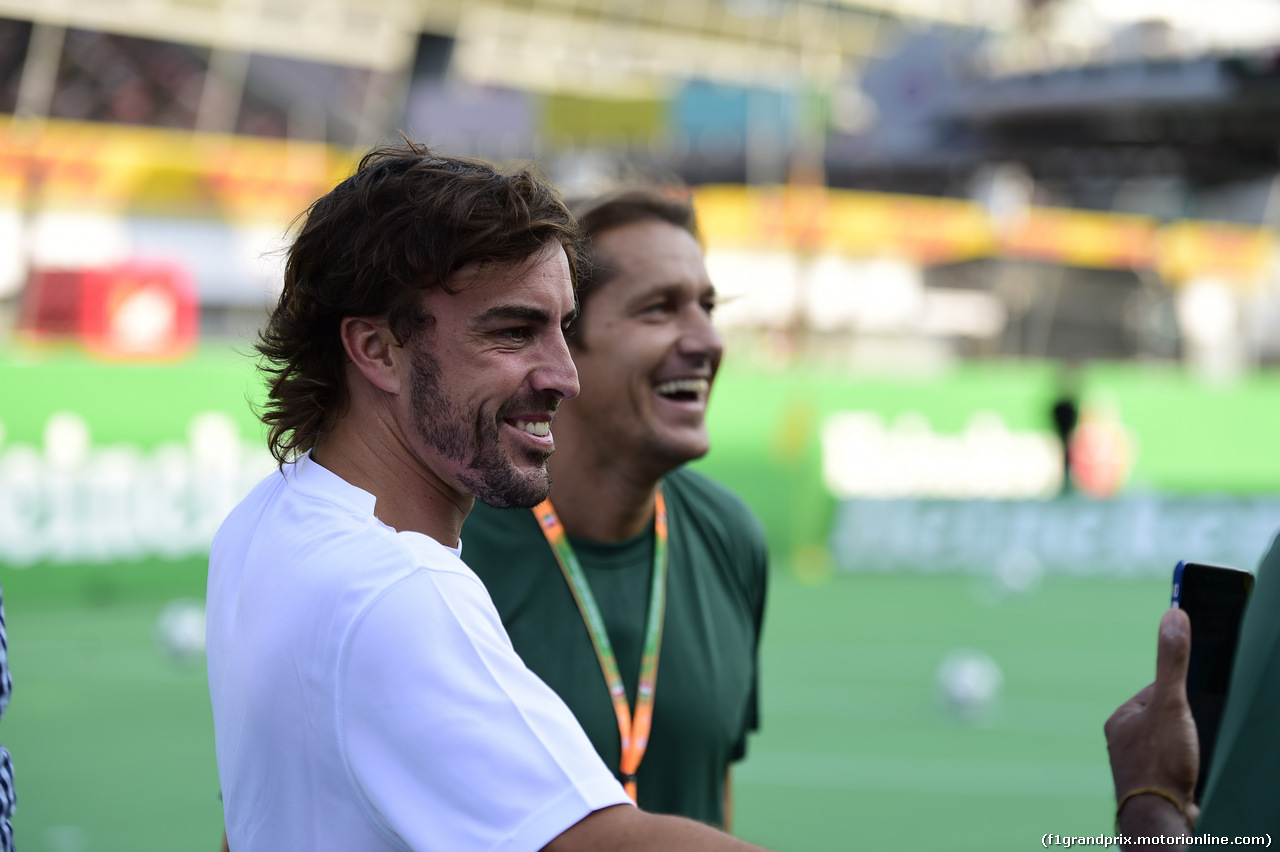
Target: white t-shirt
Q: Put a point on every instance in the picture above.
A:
(365, 696)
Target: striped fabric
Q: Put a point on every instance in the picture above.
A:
(7, 796)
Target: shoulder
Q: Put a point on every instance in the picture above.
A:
(243, 518)
(704, 509)
(705, 491)
(425, 606)
(317, 555)
(435, 595)
(705, 499)
(365, 552)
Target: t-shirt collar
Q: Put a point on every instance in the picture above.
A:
(315, 480)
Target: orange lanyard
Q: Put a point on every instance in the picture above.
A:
(633, 732)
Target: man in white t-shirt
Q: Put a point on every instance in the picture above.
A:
(364, 693)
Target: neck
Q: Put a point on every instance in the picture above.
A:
(600, 494)
(410, 496)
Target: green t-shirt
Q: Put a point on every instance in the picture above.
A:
(1242, 795)
(705, 698)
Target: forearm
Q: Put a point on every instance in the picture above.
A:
(622, 828)
(677, 834)
(1152, 816)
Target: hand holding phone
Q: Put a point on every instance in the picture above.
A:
(1214, 598)
(1152, 743)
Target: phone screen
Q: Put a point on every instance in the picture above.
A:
(1214, 599)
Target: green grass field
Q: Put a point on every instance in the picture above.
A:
(113, 744)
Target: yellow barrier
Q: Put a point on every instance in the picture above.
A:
(122, 169)
(942, 230)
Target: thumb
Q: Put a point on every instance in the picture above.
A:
(1172, 654)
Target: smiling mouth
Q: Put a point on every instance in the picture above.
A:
(684, 390)
(537, 428)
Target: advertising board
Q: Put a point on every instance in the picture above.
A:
(105, 462)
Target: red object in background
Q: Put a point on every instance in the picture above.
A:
(1101, 456)
(137, 310)
(51, 304)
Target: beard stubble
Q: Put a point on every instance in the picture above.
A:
(464, 437)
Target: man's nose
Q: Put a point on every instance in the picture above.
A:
(557, 375)
(699, 337)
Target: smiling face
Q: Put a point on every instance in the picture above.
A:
(647, 352)
(486, 377)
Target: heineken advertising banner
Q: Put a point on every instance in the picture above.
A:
(68, 500)
(106, 462)
(819, 453)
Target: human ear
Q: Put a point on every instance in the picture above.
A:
(373, 351)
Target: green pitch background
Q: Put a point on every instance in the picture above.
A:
(1191, 437)
(113, 743)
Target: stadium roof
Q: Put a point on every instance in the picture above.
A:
(621, 45)
(719, 38)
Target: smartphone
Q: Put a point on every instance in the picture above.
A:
(1214, 598)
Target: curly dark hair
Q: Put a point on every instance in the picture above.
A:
(402, 224)
(615, 209)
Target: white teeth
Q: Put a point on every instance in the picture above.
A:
(541, 428)
(694, 386)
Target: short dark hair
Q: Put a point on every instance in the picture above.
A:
(615, 209)
(403, 223)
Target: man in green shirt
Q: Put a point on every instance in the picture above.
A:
(1153, 744)
(1242, 795)
(664, 559)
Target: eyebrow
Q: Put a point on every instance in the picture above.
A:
(673, 287)
(521, 313)
(524, 313)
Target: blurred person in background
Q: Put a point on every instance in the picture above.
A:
(635, 565)
(1064, 414)
(1155, 753)
(365, 695)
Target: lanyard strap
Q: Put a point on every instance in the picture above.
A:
(634, 733)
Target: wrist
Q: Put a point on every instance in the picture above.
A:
(1153, 811)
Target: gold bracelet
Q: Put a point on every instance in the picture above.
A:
(1155, 791)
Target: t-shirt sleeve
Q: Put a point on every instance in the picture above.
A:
(453, 743)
